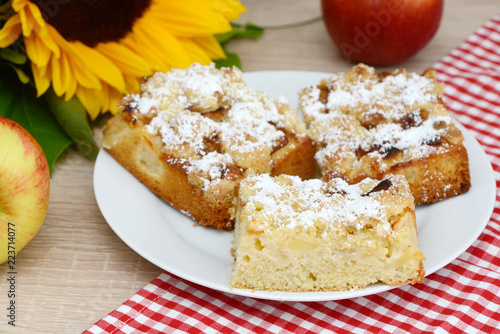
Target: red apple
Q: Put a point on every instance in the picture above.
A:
(378, 32)
(24, 188)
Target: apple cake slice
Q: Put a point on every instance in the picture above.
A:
(192, 135)
(295, 235)
(370, 124)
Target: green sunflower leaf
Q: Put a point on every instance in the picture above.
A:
(19, 103)
(72, 116)
(12, 56)
(240, 31)
(232, 60)
(21, 75)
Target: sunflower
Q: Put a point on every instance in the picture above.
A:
(99, 50)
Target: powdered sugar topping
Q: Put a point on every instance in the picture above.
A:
(203, 110)
(210, 168)
(289, 202)
(393, 96)
(376, 114)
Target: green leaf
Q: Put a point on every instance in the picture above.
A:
(231, 60)
(14, 57)
(6, 11)
(19, 103)
(73, 118)
(240, 31)
(23, 77)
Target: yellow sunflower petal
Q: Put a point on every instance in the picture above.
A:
(62, 80)
(180, 19)
(111, 97)
(211, 46)
(42, 80)
(104, 97)
(67, 77)
(42, 70)
(80, 69)
(101, 66)
(10, 31)
(82, 75)
(32, 19)
(114, 108)
(230, 9)
(71, 90)
(26, 21)
(19, 5)
(159, 45)
(37, 17)
(153, 56)
(125, 59)
(57, 81)
(195, 52)
(90, 99)
(37, 51)
(53, 40)
(114, 97)
(132, 84)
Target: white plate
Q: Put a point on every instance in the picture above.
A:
(170, 240)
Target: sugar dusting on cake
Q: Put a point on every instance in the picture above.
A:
(290, 202)
(393, 96)
(210, 168)
(406, 91)
(180, 103)
(394, 104)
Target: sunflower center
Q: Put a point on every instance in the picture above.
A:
(92, 21)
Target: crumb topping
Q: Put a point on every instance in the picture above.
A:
(391, 97)
(210, 168)
(212, 119)
(362, 92)
(287, 201)
(364, 115)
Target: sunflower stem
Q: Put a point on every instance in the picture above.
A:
(291, 25)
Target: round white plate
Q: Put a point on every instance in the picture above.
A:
(172, 241)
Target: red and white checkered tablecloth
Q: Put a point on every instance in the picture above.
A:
(464, 296)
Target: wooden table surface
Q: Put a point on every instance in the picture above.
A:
(76, 270)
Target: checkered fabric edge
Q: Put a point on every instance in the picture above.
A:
(461, 297)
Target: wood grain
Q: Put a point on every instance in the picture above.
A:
(76, 270)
